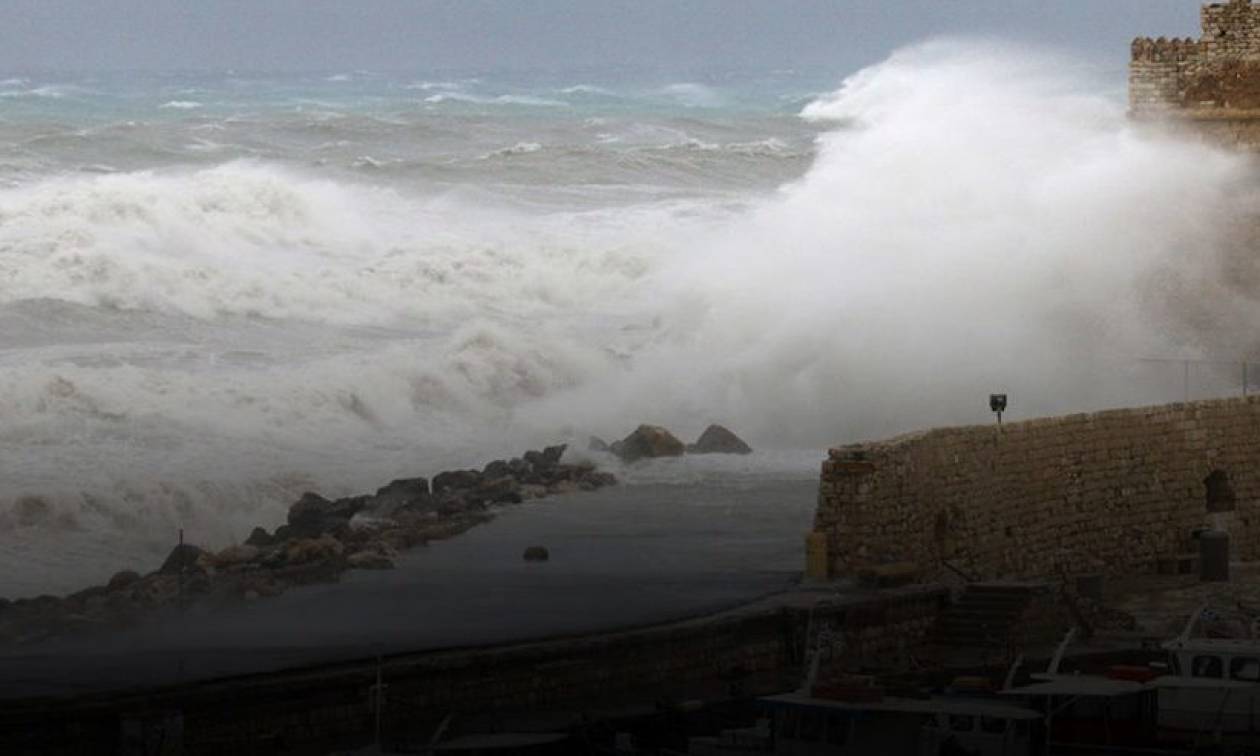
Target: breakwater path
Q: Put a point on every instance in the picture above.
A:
(620, 557)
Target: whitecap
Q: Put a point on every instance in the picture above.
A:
(520, 148)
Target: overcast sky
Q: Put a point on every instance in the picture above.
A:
(324, 35)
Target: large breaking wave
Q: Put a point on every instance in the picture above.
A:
(193, 346)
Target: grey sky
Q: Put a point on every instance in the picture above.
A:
(426, 34)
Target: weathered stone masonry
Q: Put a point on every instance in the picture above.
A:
(1213, 82)
(1112, 492)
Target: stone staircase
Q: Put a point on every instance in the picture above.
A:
(986, 616)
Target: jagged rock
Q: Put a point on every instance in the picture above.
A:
(533, 491)
(123, 579)
(182, 558)
(597, 444)
(369, 560)
(718, 440)
(259, 537)
(455, 480)
(501, 491)
(497, 469)
(351, 505)
(310, 507)
(648, 441)
(313, 550)
(537, 554)
(518, 467)
(313, 515)
(408, 492)
(553, 454)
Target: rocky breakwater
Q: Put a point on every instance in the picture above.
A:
(320, 540)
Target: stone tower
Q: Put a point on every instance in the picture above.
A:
(1212, 83)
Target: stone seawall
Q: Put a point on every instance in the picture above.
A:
(1109, 492)
(754, 650)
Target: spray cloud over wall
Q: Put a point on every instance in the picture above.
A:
(978, 219)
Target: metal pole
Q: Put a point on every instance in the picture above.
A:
(180, 579)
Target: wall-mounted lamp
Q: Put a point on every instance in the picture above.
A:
(997, 404)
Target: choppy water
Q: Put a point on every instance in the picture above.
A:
(218, 291)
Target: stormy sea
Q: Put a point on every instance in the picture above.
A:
(218, 291)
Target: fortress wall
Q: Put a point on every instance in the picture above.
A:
(1214, 76)
(1231, 29)
(1158, 70)
(1110, 492)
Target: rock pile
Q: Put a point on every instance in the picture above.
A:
(718, 440)
(319, 541)
(652, 441)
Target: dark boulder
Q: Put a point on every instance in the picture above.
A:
(344, 509)
(259, 537)
(545, 459)
(552, 454)
(455, 480)
(502, 491)
(123, 579)
(537, 554)
(409, 493)
(312, 515)
(183, 558)
(649, 441)
(409, 488)
(718, 440)
(496, 469)
(309, 509)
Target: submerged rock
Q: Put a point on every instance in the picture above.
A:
(537, 554)
(719, 440)
(648, 441)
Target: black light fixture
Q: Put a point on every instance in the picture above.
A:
(997, 404)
